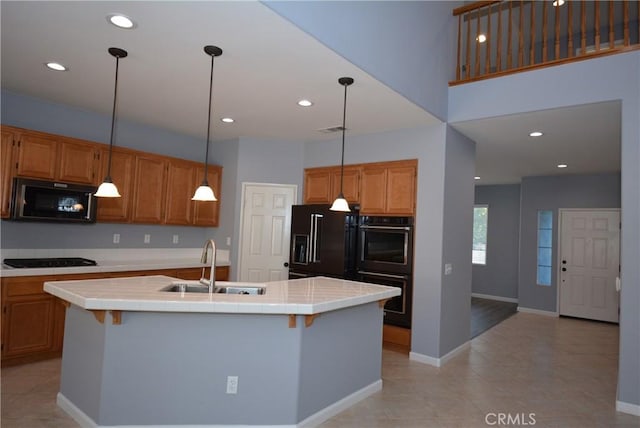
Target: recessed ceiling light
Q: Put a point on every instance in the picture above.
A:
(558, 3)
(476, 178)
(535, 134)
(305, 103)
(56, 66)
(562, 165)
(121, 21)
(481, 38)
(227, 120)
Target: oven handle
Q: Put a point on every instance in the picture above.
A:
(386, 275)
(386, 227)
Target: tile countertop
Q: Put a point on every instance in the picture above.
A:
(110, 266)
(299, 296)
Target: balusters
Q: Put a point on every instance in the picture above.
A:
(556, 12)
(612, 35)
(499, 39)
(596, 6)
(544, 32)
(509, 38)
(532, 35)
(570, 29)
(583, 27)
(487, 57)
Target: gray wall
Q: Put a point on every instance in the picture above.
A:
(457, 230)
(553, 193)
(499, 277)
(378, 36)
(575, 84)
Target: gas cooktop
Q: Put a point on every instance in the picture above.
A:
(49, 262)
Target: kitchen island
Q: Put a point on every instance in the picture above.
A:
(294, 356)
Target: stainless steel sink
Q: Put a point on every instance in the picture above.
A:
(185, 287)
(227, 288)
(240, 290)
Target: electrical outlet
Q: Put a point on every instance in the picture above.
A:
(176, 238)
(232, 384)
(228, 240)
(116, 238)
(448, 269)
(147, 238)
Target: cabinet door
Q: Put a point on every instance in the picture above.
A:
(401, 190)
(208, 213)
(180, 188)
(373, 190)
(78, 162)
(36, 156)
(28, 326)
(317, 186)
(6, 157)
(149, 189)
(122, 169)
(350, 184)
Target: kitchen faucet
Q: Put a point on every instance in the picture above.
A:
(212, 277)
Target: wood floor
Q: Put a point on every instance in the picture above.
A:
(486, 313)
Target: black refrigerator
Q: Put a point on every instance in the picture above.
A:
(323, 242)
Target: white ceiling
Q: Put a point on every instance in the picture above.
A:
(267, 66)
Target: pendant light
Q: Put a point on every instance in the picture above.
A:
(107, 189)
(205, 192)
(341, 204)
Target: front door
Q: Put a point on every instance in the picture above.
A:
(589, 264)
(265, 231)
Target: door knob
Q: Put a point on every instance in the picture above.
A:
(286, 264)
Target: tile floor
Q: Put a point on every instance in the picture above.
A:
(562, 371)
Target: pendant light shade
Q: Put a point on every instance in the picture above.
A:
(205, 192)
(107, 189)
(341, 204)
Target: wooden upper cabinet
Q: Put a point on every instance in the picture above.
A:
(374, 188)
(149, 189)
(350, 184)
(388, 188)
(36, 156)
(6, 157)
(78, 162)
(116, 210)
(208, 213)
(180, 188)
(317, 186)
(401, 189)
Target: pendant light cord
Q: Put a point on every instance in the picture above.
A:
(113, 118)
(344, 121)
(206, 156)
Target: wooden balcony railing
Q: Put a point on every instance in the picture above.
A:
(501, 37)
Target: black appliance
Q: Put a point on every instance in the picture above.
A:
(39, 200)
(385, 256)
(323, 242)
(49, 262)
(386, 244)
(397, 310)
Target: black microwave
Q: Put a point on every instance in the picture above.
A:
(38, 200)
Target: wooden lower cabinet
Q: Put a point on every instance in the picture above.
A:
(33, 320)
(396, 338)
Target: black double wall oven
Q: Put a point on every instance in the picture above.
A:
(385, 256)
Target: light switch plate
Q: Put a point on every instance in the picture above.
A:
(448, 269)
(147, 238)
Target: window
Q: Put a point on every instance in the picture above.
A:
(479, 249)
(545, 238)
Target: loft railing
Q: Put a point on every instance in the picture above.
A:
(500, 37)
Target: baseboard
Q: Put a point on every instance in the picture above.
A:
(632, 409)
(438, 362)
(76, 414)
(337, 407)
(498, 298)
(538, 312)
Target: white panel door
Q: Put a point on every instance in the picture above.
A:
(265, 231)
(589, 264)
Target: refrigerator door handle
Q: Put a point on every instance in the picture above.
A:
(314, 237)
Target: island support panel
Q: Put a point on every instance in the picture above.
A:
(160, 368)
